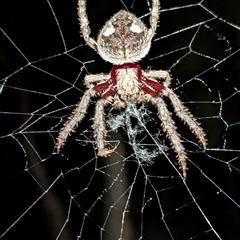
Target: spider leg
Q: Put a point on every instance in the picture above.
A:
(154, 17)
(160, 74)
(184, 114)
(99, 127)
(92, 78)
(77, 115)
(84, 25)
(169, 127)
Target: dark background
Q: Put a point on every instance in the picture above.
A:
(42, 192)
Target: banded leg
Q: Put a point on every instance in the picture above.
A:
(154, 17)
(76, 117)
(84, 24)
(99, 127)
(184, 114)
(92, 78)
(169, 127)
(160, 74)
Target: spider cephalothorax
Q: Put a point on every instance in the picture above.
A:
(123, 41)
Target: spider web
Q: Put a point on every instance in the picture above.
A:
(138, 192)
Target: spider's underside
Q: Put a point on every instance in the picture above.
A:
(123, 41)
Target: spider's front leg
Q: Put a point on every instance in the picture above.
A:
(99, 127)
(184, 114)
(79, 112)
(169, 127)
(181, 111)
(77, 115)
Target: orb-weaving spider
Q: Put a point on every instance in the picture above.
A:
(123, 41)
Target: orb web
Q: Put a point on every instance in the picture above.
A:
(138, 192)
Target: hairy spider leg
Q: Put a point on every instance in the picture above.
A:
(169, 127)
(100, 131)
(150, 86)
(184, 114)
(107, 88)
(77, 115)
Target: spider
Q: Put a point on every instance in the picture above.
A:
(123, 41)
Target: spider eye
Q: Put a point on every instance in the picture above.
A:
(123, 39)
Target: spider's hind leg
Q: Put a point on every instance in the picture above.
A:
(154, 17)
(84, 24)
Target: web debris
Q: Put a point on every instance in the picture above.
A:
(124, 120)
